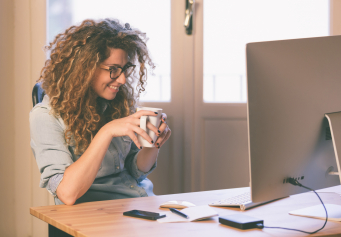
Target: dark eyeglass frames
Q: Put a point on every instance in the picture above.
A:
(116, 71)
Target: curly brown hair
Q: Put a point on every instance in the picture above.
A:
(67, 75)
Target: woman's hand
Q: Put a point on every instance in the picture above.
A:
(146, 158)
(130, 125)
(165, 132)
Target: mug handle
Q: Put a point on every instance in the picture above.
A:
(143, 122)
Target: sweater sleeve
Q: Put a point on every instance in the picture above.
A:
(131, 165)
(48, 145)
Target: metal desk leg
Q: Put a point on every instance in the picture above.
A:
(55, 232)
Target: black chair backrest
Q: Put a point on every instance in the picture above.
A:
(37, 94)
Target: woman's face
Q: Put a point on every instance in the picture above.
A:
(102, 84)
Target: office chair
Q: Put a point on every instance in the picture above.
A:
(37, 94)
(37, 97)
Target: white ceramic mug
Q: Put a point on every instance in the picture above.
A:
(155, 120)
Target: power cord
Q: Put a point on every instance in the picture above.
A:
(296, 183)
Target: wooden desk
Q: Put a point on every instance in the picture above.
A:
(103, 219)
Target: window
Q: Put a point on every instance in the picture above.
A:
(230, 25)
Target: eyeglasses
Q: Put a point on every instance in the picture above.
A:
(116, 71)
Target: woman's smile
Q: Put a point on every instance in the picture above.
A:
(114, 89)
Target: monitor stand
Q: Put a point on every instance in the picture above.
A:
(334, 120)
(332, 133)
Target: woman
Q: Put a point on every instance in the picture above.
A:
(83, 134)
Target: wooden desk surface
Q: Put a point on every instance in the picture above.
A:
(105, 218)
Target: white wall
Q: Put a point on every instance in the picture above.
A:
(7, 183)
(22, 36)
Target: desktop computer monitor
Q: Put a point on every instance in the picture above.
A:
(291, 85)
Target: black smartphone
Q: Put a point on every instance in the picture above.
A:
(144, 214)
